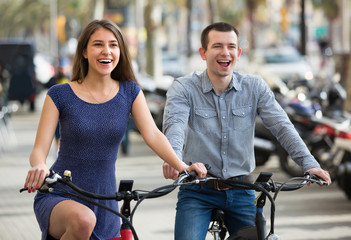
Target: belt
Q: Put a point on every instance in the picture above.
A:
(220, 185)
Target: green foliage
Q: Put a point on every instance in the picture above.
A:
(21, 18)
(330, 7)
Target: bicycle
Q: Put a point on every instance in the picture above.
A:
(263, 184)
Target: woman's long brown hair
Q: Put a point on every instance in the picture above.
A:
(122, 72)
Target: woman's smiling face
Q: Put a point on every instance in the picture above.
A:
(102, 52)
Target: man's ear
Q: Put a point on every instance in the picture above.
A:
(202, 52)
(239, 53)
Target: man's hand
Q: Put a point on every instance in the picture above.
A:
(320, 173)
(169, 172)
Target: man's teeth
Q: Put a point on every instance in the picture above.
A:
(225, 63)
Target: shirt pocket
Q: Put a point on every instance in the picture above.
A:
(206, 120)
(242, 119)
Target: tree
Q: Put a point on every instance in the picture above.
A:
(25, 19)
(251, 6)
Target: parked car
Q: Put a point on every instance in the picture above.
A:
(284, 62)
(18, 59)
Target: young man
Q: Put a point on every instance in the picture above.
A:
(209, 117)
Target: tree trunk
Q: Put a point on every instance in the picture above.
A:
(189, 6)
(347, 105)
(152, 18)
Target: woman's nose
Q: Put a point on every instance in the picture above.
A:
(106, 50)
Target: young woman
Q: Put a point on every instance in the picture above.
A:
(92, 111)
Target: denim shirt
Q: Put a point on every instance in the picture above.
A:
(204, 126)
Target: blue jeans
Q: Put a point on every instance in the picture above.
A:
(195, 205)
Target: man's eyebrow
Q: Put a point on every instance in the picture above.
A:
(219, 43)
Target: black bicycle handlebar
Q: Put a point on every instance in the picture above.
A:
(184, 178)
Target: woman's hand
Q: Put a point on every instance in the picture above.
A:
(35, 177)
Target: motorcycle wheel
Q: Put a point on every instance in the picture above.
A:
(344, 177)
(288, 165)
(347, 183)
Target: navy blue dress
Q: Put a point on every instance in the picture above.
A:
(90, 138)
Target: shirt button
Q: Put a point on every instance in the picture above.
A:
(224, 170)
(206, 115)
(243, 113)
(223, 153)
(224, 137)
(223, 117)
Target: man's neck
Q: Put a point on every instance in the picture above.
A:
(219, 83)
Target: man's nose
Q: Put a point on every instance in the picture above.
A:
(225, 51)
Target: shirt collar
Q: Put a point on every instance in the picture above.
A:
(207, 85)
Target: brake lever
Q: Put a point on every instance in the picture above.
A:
(48, 182)
(315, 179)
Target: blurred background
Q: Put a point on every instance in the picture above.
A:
(301, 48)
(164, 36)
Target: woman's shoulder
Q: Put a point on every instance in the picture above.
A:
(58, 88)
(129, 88)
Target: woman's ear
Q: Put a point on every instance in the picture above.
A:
(85, 54)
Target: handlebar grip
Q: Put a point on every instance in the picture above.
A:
(319, 180)
(316, 179)
(192, 174)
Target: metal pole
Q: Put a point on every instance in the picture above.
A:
(303, 29)
(53, 29)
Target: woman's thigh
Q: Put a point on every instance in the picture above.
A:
(66, 214)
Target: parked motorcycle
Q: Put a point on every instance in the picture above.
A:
(338, 160)
(307, 112)
(343, 144)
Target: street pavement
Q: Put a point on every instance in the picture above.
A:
(310, 213)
